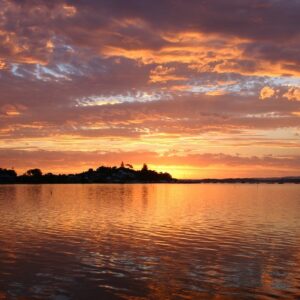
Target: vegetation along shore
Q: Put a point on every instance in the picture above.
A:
(123, 174)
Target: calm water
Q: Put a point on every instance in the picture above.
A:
(149, 242)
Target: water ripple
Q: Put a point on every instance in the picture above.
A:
(149, 242)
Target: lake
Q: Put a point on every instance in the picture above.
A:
(155, 241)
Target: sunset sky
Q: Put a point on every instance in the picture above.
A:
(198, 88)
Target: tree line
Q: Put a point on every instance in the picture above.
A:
(125, 173)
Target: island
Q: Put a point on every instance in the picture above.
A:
(125, 173)
(103, 174)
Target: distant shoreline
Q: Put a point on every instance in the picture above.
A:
(277, 180)
(284, 180)
(125, 174)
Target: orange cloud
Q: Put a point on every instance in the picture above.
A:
(267, 92)
(205, 53)
(2, 64)
(12, 110)
(164, 74)
(69, 10)
(189, 48)
(217, 92)
(293, 94)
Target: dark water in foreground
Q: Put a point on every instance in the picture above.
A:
(150, 242)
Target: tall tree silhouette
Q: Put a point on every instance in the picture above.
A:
(144, 168)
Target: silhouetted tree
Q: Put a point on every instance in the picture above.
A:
(129, 166)
(9, 173)
(34, 172)
(144, 168)
(7, 176)
(122, 165)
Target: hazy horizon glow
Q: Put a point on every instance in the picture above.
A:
(195, 88)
